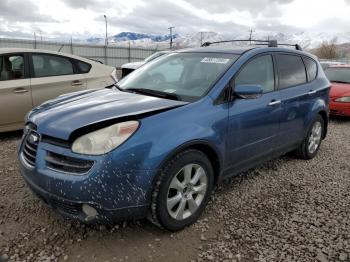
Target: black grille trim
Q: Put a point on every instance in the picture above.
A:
(66, 164)
(30, 148)
(70, 208)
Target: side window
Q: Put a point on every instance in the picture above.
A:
(311, 68)
(83, 67)
(11, 67)
(291, 71)
(258, 72)
(50, 65)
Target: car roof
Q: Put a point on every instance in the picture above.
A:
(239, 50)
(29, 50)
(217, 49)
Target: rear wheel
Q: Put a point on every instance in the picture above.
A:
(312, 142)
(182, 190)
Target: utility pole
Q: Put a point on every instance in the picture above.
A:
(171, 36)
(201, 38)
(34, 40)
(106, 41)
(41, 35)
(71, 45)
(251, 31)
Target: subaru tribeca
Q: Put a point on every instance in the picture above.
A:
(155, 144)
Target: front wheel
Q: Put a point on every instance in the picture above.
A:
(312, 142)
(182, 190)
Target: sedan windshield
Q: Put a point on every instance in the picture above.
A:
(182, 76)
(338, 74)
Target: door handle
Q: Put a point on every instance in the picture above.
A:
(275, 102)
(312, 92)
(77, 83)
(20, 90)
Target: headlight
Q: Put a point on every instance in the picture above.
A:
(104, 140)
(345, 99)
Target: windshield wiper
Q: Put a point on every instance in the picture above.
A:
(154, 93)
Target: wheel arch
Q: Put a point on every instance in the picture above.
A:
(205, 147)
(324, 115)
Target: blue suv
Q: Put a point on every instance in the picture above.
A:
(155, 144)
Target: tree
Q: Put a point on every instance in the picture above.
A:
(328, 50)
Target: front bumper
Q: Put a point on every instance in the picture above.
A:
(113, 191)
(74, 209)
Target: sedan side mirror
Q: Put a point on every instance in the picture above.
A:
(248, 91)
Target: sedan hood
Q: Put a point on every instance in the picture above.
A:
(339, 90)
(60, 117)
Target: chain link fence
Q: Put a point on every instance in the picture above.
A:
(110, 55)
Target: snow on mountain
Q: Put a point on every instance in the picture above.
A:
(305, 39)
(126, 36)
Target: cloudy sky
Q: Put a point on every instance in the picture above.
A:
(84, 18)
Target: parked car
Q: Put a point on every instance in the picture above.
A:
(340, 92)
(156, 144)
(28, 77)
(129, 67)
(326, 64)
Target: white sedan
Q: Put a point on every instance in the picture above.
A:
(129, 67)
(29, 77)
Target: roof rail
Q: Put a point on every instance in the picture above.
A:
(269, 43)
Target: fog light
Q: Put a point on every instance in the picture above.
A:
(90, 212)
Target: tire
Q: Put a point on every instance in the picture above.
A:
(175, 206)
(305, 150)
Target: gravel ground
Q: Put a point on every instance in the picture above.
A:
(285, 210)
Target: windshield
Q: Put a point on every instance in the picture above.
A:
(187, 76)
(338, 74)
(154, 56)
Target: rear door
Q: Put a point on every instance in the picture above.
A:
(53, 75)
(254, 123)
(15, 93)
(296, 97)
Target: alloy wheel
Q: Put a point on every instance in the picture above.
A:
(186, 191)
(315, 137)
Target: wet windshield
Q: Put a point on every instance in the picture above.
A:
(182, 76)
(338, 74)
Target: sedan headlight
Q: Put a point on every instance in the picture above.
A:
(345, 99)
(104, 140)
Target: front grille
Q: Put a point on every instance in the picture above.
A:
(30, 147)
(70, 208)
(67, 164)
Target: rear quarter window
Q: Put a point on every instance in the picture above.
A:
(311, 68)
(291, 70)
(83, 67)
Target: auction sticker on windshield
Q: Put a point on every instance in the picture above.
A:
(215, 60)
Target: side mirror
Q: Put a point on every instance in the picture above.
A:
(248, 91)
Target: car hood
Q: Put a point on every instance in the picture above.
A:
(339, 90)
(133, 65)
(60, 117)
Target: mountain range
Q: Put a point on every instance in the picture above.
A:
(305, 39)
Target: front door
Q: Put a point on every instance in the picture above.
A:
(15, 93)
(254, 123)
